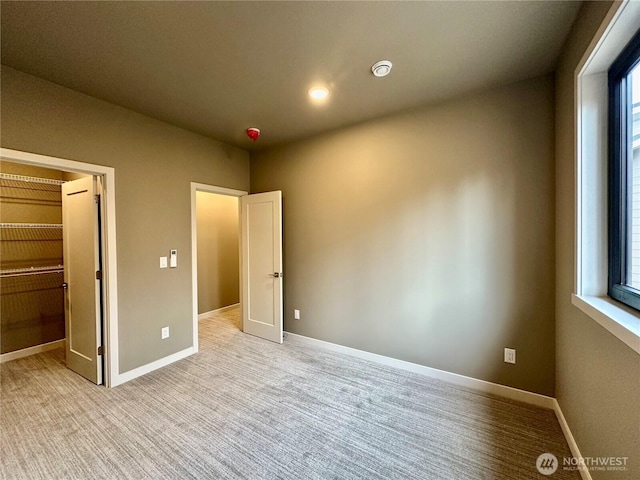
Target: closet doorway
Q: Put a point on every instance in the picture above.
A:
(55, 267)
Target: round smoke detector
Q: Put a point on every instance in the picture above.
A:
(381, 68)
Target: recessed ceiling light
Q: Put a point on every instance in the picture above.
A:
(319, 93)
(381, 68)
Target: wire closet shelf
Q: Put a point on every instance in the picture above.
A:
(37, 232)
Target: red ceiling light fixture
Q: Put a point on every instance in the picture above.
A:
(253, 133)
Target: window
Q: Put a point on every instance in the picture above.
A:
(618, 31)
(624, 176)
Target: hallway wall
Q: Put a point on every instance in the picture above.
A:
(218, 251)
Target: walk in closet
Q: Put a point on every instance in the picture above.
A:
(31, 258)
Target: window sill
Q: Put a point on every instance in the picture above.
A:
(621, 321)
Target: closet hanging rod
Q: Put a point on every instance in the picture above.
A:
(24, 178)
(19, 272)
(31, 225)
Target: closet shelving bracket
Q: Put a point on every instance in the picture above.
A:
(24, 178)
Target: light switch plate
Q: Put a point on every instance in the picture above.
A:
(163, 262)
(173, 259)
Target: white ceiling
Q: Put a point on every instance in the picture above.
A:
(219, 67)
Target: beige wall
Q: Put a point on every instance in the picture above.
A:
(154, 164)
(218, 251)
(428, 236)
(597, 376)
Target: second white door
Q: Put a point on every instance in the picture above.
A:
(261, 231)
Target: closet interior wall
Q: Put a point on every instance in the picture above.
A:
(31, 277)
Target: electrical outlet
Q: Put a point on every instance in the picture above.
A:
(510, 355)
(296, 314)
(165, 332)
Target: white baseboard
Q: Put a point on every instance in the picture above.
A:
(454, 378)
(461, 380)
(202, 316)
(163, 362)
(25, 352)
(573, 446)
(150, 367)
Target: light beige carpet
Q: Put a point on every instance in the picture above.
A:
(247, 408)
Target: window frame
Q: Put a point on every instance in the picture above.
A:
(620, 109)
(591, 107)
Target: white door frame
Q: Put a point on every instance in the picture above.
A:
(109, 273)
(201, 187)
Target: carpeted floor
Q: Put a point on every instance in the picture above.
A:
(250, 409)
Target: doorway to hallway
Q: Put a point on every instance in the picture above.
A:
(260, 273)
(218, 262)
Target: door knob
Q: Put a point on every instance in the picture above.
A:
(276, 275)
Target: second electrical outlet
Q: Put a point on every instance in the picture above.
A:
(510, 355)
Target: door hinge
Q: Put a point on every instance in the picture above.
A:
(99, 275)
(100, 350)
(96, 198)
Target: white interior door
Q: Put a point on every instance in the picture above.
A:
(261, 231)
(80, 238)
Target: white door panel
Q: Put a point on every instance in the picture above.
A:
(261, 230)
(81, 262)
